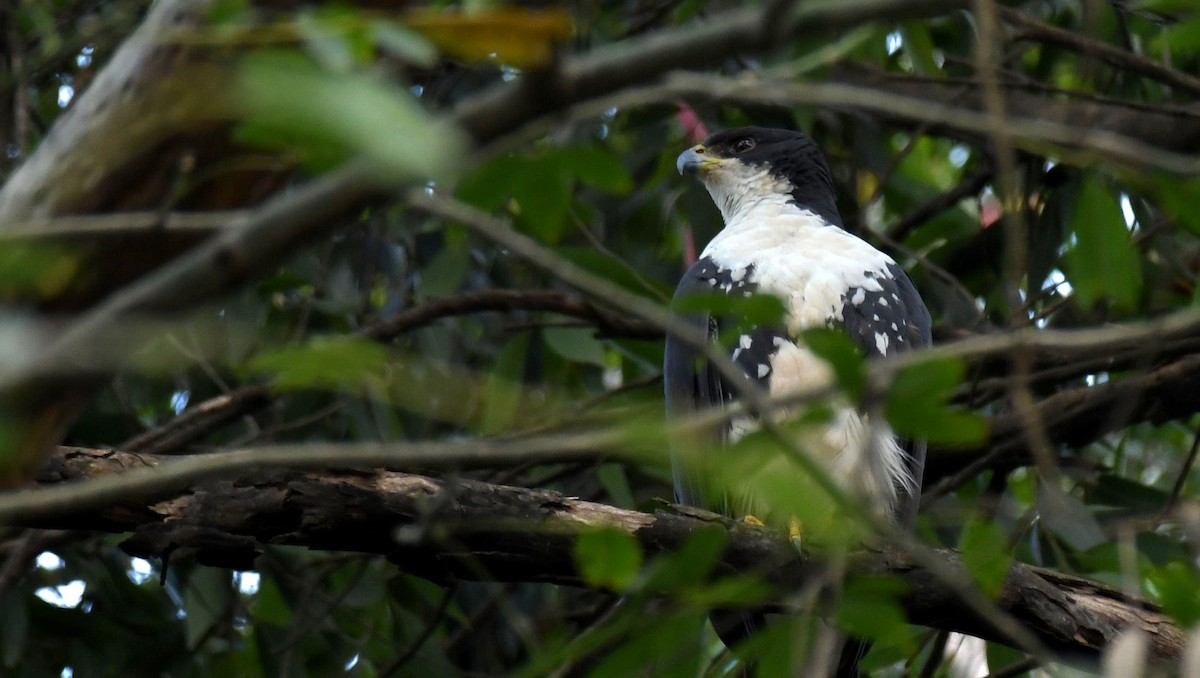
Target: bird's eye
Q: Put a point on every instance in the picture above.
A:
(743, 145)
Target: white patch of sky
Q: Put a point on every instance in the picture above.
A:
(959, 155)
(1127, 211)
(247, 582)
(65, 94)
(179, 400)
(508, 73)
(140, 570)
(84, 58)
(48, 560)
(417, 90)
(63, 595)
(1058, 280)
(609, 113)
(1094, 379)
(894, 42)
(351, 663)
(67, 672)
(602, 132)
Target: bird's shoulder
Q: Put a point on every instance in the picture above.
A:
(825, 276)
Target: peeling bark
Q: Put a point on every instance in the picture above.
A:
(460, 528)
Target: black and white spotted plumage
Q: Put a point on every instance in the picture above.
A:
(783, 236)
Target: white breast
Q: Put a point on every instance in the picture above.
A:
(811, 266)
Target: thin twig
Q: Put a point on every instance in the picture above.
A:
(1184, 472)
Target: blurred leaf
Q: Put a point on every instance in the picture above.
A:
(919, 48)
(1068, 518)
(985, 553)
(404, 43)
(31, 271)
(286, 100)
(1175, 589)
(752, 311)
(869, 609)
(598, 167)
(510, 35)
(667, 650)
(206, 602)
(842, 354)
(533, 188)
(1179, 39)
(446, 272)
(269, 604)
(691, 564)
(608, 558)
(334, 38)
(502, 394)
(1104, 264)
(612, 477)
(916, 405)
(325, 362)
(578, 344)
(14, 632)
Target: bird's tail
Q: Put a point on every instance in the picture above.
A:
(853, 650)
(733, 627)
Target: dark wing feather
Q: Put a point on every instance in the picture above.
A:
(692, 385)
(897, 313)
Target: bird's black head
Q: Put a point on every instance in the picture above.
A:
(742, 165)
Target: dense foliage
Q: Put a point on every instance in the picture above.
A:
(1031, 167)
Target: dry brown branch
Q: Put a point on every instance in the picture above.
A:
(476, 530)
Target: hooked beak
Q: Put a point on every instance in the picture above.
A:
(692, 160)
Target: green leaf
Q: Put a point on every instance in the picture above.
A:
(667, 649)
(985, 553)
(691, 564)
(1104, 263)
(340, 363)
(842, 354)
(404, 43)
(503, 389)
(916, 405)
(1175, 586)
(869, 609)
(270, 607)
(608, 558)
(533, 188)
(206, 602)
(918, 45)
(284, 98)
(445, 273)
(612, 477)
(578, 344)
(598, 167)
(754, 310)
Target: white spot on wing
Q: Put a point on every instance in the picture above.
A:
(881, 342)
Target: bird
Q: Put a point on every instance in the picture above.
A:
(783, 236)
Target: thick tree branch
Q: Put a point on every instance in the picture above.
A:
(476, 530)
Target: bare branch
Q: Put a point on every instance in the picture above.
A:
(1032, 29)
(471, 529)
(608, 322)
